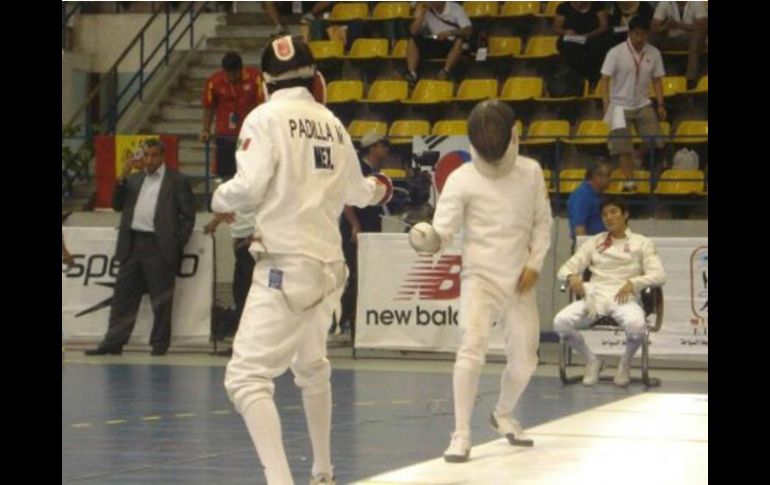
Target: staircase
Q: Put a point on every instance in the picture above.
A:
(181, 111)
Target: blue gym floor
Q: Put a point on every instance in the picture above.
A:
(134, 419)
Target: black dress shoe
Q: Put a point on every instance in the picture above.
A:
(104, 351)
(158, 351)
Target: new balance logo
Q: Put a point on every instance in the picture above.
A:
(427, 281)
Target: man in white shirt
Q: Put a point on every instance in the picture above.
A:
(682, 26)
(438, 31)
(500, 204)
(627, 72)
(296, 169)
(622, 264)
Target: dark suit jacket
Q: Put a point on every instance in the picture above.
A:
(174, 214)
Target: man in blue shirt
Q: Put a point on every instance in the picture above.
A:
(583, 205)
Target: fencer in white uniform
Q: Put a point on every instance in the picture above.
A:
(622, 264)
(500, 203)
(296, 169)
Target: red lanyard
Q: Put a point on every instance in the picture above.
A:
(605, 244)
(637, 63)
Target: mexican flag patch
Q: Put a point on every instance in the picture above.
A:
(243, 144)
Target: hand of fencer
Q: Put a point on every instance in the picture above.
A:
(424, 239)
(576, 285)
(527, 280)
(624, 293)
(228, 217)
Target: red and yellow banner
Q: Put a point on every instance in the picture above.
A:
(111, 153)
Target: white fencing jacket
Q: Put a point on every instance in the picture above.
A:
(633, 259)
(506, 221)
(297, 168)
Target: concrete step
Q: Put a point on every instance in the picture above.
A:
(213, 57)
(251, 18)
(237, 42)
(180, 96)
(181, 113)
(191, 84)
(178, 127)
(238, 31)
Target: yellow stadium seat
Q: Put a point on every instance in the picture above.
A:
(429, 91)
(504, 46)
(326, 49)
(391, 10)
(388, 91)
(590, 132)
(673, 85)
(359, 128)
(368, 49)
(480, 9)
(399, 50)
(692, 132)
(550, 9)
(477, 89)
(540, 47)
(542, 132)
(522, 88)
(345, 11)
(681, 182)
(641, 178)
(570, 179)
(344, 91)
(402, 131)
(703, 85)
(519, 9)
(450, 127)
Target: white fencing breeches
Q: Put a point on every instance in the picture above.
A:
(285, 322)
(483, 304)
(575, 316)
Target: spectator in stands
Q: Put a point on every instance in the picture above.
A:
(242, 232)
(231, 93)
(310, 11)
(583, 205)
(582, 27)
(439, 30)
(622, 264)
(621, 12)
(629, 68)
(157, 219)
(374, 151)
(682, 26)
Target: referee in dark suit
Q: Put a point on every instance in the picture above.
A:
(158, 218)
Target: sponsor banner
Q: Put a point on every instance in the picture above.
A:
(87, 289)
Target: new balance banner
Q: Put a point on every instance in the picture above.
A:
(87, 289)
(409, 302)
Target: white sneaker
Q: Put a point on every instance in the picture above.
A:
(322, 479)
(593, 369)
(623, 375)
(307, 18)
(510, 429)
(459, 449)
